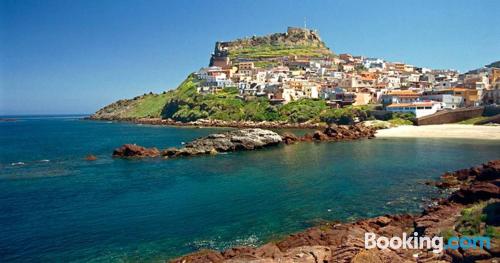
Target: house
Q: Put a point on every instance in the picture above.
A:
(346, 57)
(246, 68)
(348, 67)
(398, 66)
(420, 109)
(335, 74)
(409, 68)
(399, 96)
(311, 90)
(337, 97)
(448, 101)
(492, 97)
(356, 82)
(391, 81)
(374, 63)
(219, 80)
(470, 96)
(494, 78)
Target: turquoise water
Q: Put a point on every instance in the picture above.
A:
(59, 207)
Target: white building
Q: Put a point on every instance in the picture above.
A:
(374, 63)
(420, 109)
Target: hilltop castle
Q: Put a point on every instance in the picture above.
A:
(294, 37)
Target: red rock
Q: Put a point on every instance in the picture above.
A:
(269, 250)
(470, 255)
(90, 157)
(289, 138)
(476, 192)
(367, 256)
(307, 137)
(132, 150)
(203, 256)
(240, 252)
(320, 136)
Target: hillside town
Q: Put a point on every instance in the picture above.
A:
(345, 79)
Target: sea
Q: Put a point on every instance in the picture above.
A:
(57, 206)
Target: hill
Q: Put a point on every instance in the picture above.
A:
(495, 64)
(295, 42)
(186, 104)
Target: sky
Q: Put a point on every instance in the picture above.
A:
(65, 57)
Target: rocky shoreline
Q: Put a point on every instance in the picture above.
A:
(216, 123)
(245, 139)
(470, 188)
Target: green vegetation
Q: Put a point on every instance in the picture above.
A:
(447, 233)
(265, 64)
(477, 219)
(186, 104)
(303, 110)
(272, 51)
(495, 64)
(225, 105)
(399, 122)
(470, 220)
(149, 105)
(473, 120)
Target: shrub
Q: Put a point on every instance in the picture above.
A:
(302, 110)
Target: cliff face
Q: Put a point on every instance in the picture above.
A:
(296, 41)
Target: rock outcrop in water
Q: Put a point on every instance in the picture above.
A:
(344, 242)
(237, 140)
(133, 150)
(245, 139)
(334, 133)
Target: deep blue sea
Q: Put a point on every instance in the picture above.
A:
(56, 206)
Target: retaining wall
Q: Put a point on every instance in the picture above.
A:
(451, 116)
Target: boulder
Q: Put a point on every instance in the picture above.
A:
(476, 192)
(320, 136)
(289, 138)
(133, 150)
(473, 254)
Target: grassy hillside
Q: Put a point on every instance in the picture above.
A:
(185, 104)
(270, 51)
(148, 105)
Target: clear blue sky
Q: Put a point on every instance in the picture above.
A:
(77, 56)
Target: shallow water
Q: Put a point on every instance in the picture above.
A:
(54, 205)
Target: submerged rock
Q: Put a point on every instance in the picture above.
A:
(90, 157)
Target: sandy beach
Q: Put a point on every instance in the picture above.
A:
(443, 131)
